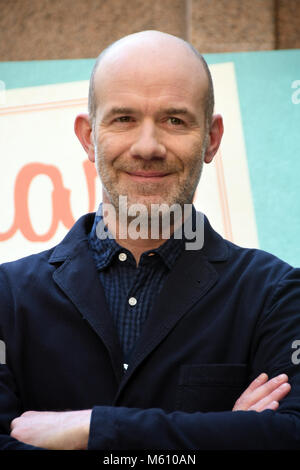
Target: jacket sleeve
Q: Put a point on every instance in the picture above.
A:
(9, 409)
(276, 333)
(10, 406)
(135, 429)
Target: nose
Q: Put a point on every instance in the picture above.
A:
(146, 144)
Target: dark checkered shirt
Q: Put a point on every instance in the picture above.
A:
(131, 290)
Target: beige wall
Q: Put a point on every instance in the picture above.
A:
(67, 29)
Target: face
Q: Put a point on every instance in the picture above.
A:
(149, 131)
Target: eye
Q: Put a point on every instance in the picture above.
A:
(123, 119)
(175, 121)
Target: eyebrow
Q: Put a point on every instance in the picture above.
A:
(118, 110)
(176, 111)
(128, 111)
(180, 111)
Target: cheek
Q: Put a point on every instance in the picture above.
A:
(190, 156)
(111, 147)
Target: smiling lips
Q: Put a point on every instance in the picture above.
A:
(147, 175)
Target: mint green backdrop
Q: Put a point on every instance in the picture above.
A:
(271, 125)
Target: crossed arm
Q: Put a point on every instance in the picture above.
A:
(69, 430)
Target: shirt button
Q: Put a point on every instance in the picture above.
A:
(122, 257)
(132, 301)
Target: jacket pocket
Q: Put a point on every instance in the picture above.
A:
(210, 387)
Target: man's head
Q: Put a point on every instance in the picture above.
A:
(150, 123)
(209, 95)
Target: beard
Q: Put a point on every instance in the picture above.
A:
(151, 193)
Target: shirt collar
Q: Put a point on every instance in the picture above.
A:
(102, 243)
(106, 247)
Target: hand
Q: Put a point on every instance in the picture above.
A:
(66, 430)
(263, 394)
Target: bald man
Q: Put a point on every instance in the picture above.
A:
(121, 341)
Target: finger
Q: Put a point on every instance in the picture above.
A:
(272, 406)
(14, 423)
(260, 380)
(28, 413)
(243, 401)
(254, 393)
(267, 389)
(278, 394)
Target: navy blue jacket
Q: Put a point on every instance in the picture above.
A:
(225, 314)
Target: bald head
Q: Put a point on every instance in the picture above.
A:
(151, 46)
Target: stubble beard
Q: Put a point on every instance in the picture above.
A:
(182, 195)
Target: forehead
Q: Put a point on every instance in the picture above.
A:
(174, 75)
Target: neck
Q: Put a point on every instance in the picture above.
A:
(134, 239)
(137, 234)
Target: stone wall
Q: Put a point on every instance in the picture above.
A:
(70, 29)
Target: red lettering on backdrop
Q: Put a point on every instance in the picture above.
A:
(91, 178)
(61, 207)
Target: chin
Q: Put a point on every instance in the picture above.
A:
(149, 200)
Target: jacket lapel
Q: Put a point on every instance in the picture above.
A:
(78, 278)
(192, 277)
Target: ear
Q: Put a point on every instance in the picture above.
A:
(83, 130)
(214, 138)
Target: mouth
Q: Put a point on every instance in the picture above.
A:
(147, 176)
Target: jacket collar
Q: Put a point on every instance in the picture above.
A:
(215, 248)
(77, 277)
(67, 248)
